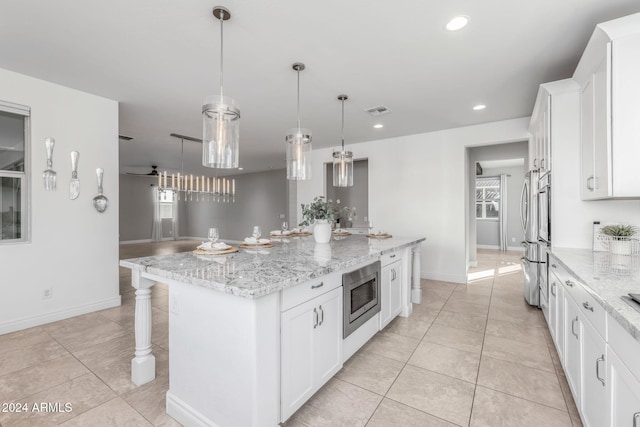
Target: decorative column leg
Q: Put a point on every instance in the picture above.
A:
(143, 366)
(416, 290)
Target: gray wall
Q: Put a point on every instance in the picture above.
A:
(136, 207)
(261, 199)
(357, 196)
(513, 150)
(488, 231)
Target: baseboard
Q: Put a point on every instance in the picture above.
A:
(42, 319)
(440, 277)
(497, 248)
(185, 414)
(472, 264)
(131, 242)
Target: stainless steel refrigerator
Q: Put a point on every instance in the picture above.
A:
(529, 218)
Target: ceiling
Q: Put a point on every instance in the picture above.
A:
(160, 59)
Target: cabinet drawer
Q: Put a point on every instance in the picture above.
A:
(625, 345)
(303, 292)
(390, 257)
(589, 307)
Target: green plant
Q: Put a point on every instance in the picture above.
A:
(318, 209)
(619, 230)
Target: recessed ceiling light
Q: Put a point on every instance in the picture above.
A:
(240, 169)
(378, 125)
(479, 107)
(458, 23)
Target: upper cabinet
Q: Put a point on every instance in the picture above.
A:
(551, 121)
(609, 76)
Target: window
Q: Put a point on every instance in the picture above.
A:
(14, 137)
(166, 204)
(487, 198)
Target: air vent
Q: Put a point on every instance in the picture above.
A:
(378, 111)
(125, 137)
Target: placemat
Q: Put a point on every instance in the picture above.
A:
(380, 236)
(213, 252)
(263, 245)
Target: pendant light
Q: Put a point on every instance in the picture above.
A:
(298, 144)
(221, 118)
(342, 160)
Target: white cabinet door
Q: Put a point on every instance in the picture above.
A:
(328, 336)
(390, 293)
(297, 356)
(559, 338)
(311, 348)
(586, 142)
(601, 131)
(572, 348)
(594, 394)
(625, 393)
(395, 297)
(553, 308)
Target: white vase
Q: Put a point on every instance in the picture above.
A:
(322, 231)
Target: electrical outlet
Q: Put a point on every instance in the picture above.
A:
(47, 293)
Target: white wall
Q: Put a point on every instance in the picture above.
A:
(73, 248)
(417, 187)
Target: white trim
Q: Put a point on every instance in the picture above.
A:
(497, 248)
(472, 264)
(453, 278)
(130, 242)
(41, 319)
(185, 414)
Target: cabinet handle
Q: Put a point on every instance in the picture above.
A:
(535, 163)
(321, 315)
(315, 315)
(541, 163)
(317, 286)
(635, 419)
(393, 271)
(573, 322)
(553, 287)
(554, 266)
(392, 256)
(598, 360)
(589, 186)
(569, 283)
(587, 306)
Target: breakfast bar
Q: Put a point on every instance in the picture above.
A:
(254, 334)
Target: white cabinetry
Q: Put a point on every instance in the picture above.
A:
(556, 313)
(625, 393)
(539, 127)
(609, 76)
(593, 405)
(311, 348)
(572, 356)
(391, 290)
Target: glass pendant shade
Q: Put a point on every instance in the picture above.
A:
(342, 168)
(298, 154)
(221, 133)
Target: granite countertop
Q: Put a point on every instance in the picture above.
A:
(253, 273)
(607, 277)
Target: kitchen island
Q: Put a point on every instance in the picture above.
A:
(252, 335)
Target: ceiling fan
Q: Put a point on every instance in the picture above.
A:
(154, 172)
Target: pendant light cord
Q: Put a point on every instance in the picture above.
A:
(221, 53)
(298, 107)
(343, 125)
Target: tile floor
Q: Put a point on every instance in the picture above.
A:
(473, 355)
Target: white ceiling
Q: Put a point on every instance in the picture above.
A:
(160, 59)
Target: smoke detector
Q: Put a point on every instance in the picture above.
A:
(378, 110)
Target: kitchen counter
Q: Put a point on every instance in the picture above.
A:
(255, 273)
(234, 318)
(607, 278)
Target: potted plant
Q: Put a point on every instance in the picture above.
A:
(619, 238)
(320, 213)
